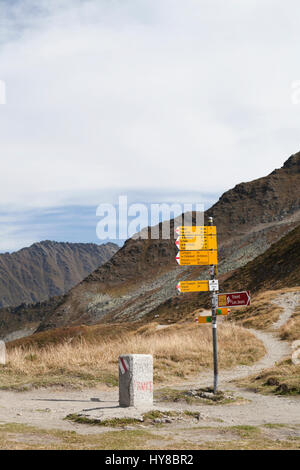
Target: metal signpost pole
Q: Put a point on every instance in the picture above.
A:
(214, 298)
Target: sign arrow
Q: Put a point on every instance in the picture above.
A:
(197, 258)
(234, 299)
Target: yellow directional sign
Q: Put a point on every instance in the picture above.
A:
(197, 258)
(193, 286)
(204, 319)
(196, 230)
(197, 286)
(193, 242)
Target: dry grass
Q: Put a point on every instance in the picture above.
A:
(179, 351)
(253, 443)
(261, 314)
(15, 436)
(282, 379)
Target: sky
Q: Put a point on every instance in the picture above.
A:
(160, 100)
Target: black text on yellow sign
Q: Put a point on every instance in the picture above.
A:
(197, 242)
(198, 286)
(197, 258)
(187, 230)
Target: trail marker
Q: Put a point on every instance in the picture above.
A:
(223, 311)
(208, 318)
(234, 299)
(204, 319)
(198, 247)
(197, 242)
(187, 230)
(197, 286)
(123, 365)
(197, 258)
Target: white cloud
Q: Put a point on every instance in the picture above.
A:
(158, 95)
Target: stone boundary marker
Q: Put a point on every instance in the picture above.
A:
(2, 353)
(136, 380)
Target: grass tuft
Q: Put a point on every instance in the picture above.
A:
(282, 379)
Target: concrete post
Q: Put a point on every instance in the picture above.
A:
(136, 380)
(2, 353)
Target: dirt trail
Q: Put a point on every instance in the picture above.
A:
(47, 408)
(276, 349)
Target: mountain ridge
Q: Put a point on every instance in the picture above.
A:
(47, 269)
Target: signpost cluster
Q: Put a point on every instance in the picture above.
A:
(198, 247)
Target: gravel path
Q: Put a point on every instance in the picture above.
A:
(288, 302)
(47, 408)
(275, 348)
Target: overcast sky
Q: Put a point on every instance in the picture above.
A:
(153, 98)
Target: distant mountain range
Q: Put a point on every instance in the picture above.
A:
(139, 281)
(48, 269)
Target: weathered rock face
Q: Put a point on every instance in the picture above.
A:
(48, 269)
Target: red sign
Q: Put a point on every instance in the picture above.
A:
(234, 299)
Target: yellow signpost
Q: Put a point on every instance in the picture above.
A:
(222, 300)
(198, 247)
(197, 258)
